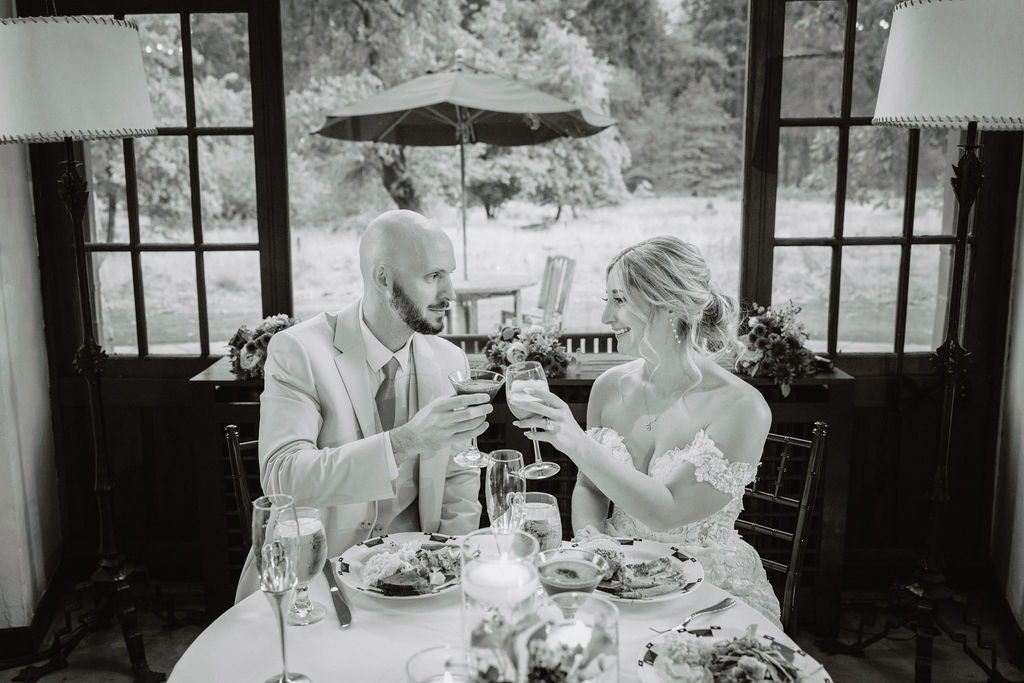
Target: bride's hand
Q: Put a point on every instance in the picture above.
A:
(554, 422)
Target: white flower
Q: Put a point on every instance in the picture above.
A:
(516, 352)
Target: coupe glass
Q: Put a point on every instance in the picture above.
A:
(519, 377)
(505, 491)
(276, 555)
(475, 382)
(308, 533)
(570, 569)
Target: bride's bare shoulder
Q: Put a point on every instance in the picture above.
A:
(736, 398)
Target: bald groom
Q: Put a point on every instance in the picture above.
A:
(357, 416)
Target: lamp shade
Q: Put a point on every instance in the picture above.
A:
(71, 77)
(950, 62)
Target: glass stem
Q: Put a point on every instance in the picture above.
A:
(301, 604)
(277, 601)
(472, 445)
(536, 446)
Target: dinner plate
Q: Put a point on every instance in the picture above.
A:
(349, 564)
(689, 571)
(809, 670)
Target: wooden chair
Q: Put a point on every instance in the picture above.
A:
(554, 289)
(243, 498)
(771, 500)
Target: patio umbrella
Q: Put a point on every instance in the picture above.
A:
(456, 107)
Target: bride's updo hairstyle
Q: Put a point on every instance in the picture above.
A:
(669, 273)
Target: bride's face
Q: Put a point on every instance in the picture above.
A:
(627, 318)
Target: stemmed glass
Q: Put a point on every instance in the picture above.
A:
(475, 382)
(505, 492)
(275, 556)
(519, 377)
(308, 533)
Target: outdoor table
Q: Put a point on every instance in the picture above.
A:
(242, 645)
(468, 292)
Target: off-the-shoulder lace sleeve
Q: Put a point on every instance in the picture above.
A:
(710, 466)
(610, 439)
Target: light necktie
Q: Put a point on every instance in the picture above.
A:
(386, 395)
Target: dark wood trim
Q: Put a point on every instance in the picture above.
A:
(761, 148)
(271, 152)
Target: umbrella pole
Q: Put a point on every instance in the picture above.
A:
(462, 176)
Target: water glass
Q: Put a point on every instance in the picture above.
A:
(444, 664)
(308, 532)
(579, 640)
(499, 596)
(504, 488)
(542, 520)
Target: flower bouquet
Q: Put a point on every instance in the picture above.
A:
(775, 346)
(514, 343)
(248, 347)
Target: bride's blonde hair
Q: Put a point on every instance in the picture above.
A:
(667, 272)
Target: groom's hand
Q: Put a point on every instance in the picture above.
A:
(442, 425)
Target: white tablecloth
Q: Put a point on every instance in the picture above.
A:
(242, 644)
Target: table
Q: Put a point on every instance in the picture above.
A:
(242, 645)
(468, 292)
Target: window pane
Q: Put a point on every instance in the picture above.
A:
(227, 188)
(812, 58)
(935, 208)
(233, 294)
(172, 306)
(115, 317)
(160, 37)
(106, 191)
(867, 299)
(873, 17)
(876, 177)
(927, 297)
(165, 209)
(220, 58)
(805, 206)
(325, 269)
(801, 275)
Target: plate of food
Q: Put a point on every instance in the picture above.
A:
(403, 566)
(720, 654)
(645, 571)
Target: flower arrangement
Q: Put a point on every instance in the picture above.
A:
(775, 345)
(514, 343)
(248, 347)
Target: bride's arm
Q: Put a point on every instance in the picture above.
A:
(739, 432)
(589, 505)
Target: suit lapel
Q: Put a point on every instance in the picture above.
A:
(351, 363)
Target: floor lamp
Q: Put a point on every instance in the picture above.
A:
(952, 64)
(65, 79)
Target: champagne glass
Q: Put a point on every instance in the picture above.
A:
(275, 556)
(475, 382)
(519, 377)
(505, 492)
(307, 530)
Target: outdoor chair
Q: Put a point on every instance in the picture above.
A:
(239, 479)
(554, 290)
(778, 507)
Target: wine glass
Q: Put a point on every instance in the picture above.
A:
(505, 491)
(542, 520)
(473, 381)
(275, 556)
(519, 377)
(307, 530)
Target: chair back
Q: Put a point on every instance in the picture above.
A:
(555, 286)
(239, 479)
(772, 499)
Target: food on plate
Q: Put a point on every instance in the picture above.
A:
(682, 658)
(410, 568)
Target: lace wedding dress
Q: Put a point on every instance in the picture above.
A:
(729, 562)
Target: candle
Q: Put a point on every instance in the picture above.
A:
(499, 581)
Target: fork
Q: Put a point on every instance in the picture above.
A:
(717, 607)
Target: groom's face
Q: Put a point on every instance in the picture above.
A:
(422, 286)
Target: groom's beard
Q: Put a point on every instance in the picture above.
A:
(412, 316)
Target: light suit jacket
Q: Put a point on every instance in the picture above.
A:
(319, 440)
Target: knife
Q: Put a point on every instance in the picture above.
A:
(344, 614)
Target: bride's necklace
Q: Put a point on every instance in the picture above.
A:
(652, 418)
